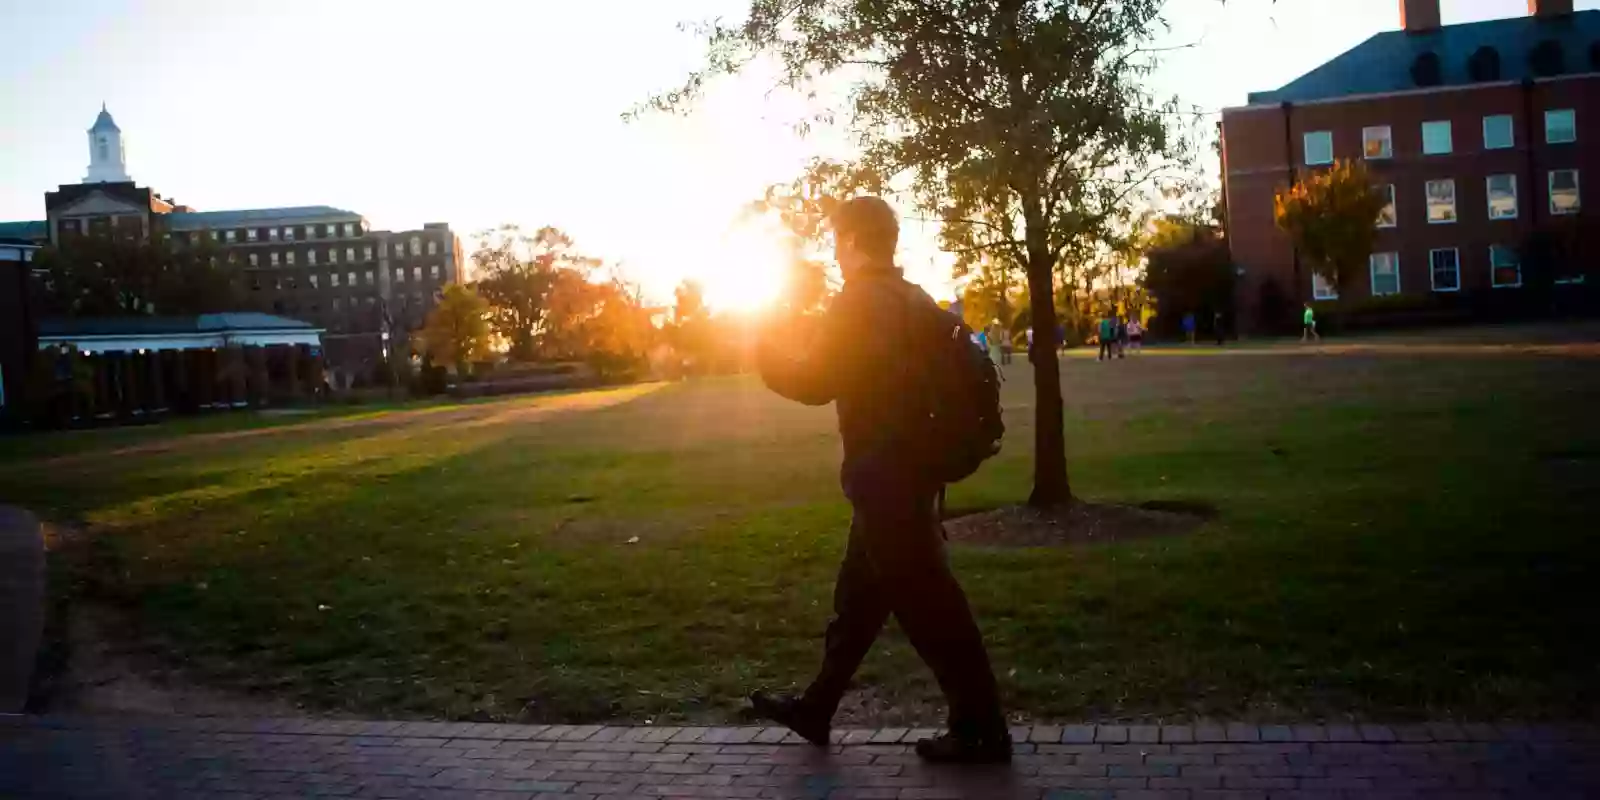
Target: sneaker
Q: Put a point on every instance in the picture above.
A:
(952, 749)
(787, 710)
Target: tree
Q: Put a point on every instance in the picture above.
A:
(1187, 268)
(95, 275)
(1332, 218)
(801, 208)
(457, 329)
(519, 273)
(1021, 126)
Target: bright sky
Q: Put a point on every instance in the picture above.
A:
(476, 113)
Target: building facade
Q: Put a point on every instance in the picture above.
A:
(318, 264)
(1480, 134)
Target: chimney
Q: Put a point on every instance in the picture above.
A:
(1421, 16)
(1545, 9)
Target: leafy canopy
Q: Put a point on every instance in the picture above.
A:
(1332, 217)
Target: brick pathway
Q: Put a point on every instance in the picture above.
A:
(61, 757)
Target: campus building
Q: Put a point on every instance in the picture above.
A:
(318, 264)
(1480, 134)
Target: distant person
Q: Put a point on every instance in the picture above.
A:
(1028, 334)
(895, 562)
(1122, 336)
(1006, 346)
(1188, 326)
(981, 339)
(1135, 334)
(1108, 337)
(994, 338)
(1216, 324)
(1309, 328)
(1061, 337)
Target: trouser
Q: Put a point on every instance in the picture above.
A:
(1105, 350)
(896, 564)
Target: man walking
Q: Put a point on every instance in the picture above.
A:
(1309, 329)
(1108, 337)
(865, 360)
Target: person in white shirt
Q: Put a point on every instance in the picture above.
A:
(1135, 334)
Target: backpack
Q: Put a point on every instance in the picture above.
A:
(962, 401)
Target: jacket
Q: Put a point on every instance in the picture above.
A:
(863, 359)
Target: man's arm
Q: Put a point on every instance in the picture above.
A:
(813, 375)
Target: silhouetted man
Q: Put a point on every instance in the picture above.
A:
(865, 360)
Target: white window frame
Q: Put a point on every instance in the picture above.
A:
(371, 276)
(1427, 197)
(1322, 288)
(272, 258)
(232, 236)
(1432, 276)
(1320, 136)
(1550, 190)
(1488, 196)
(311, 256)
(1572, 125)
(399, 249)
(1392, 207)
(272, 234)
(1494, 279)
(349, 229)
(1449, 137)
(416, 274)
(416, 245)
(333, 255)
(433, 272)
(314, 280)
(288, 234)
(1511, 132)
(288, 257)
(350, 255)
(366, 252)
(350, 278)
(399, 274)
(250, 235)
(1371, 134)
(433, 247)
(335, 306)
(1372, 273)
(333, 280)
(254, 261)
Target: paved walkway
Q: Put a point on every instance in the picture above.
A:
(62, 757)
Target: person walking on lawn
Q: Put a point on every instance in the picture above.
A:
(1108, 337)
(866, 360)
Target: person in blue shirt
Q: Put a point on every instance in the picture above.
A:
(1188, 326)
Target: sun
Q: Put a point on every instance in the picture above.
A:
(746, 272)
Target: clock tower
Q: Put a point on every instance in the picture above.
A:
(107, 160)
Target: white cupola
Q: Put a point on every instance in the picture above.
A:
(107, 161)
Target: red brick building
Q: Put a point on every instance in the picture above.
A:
(1483, 132)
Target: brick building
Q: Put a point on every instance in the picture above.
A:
(1481, 133)
(318, 264)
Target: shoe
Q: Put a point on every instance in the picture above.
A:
(950, 748)
(787, 710)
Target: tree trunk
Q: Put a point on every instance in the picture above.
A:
(1050, 485)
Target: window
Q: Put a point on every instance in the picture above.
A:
(1505, 267)
(370, 277)
(217, 235)
(1564, 197)
(433, 272)
(416, 246)
(1377, 142)
(370, 301)
(1498, 133)
(330, 230)
(349, 229)
(333, 279)
(231, 236)
(433, 247)
(272, 258)
(272, 234)
(350, 278)
(311, 256)
(1387, 217)
(1446, 268)
(288, 234)
(416, 273)
(1322, 288)
(1319, 147)
(399, 249)
(416, 299)
(250, 234)
(1502, 196)
(293, 282)
(313, 280)
(233, 258)
(399, 274)
(288, 258)
(1441, 201)
(366, 253)
(253, 260)
(333, 255)
(255, 283)
(1436, 137)
(350, 255)
(1385, 268)
(1560, 126)
(336, 305)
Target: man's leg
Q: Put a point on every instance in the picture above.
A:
(859, 612)
(908, 555)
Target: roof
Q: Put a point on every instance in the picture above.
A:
(32, 230)
(192, 220)
(1383, 62)
(149, 326)
(104, 122)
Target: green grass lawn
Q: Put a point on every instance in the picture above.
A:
(1398, 536)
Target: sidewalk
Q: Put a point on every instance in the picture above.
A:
(113, 757)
